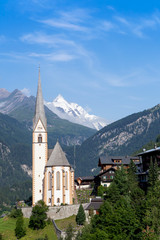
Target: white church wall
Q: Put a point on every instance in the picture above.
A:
(39, 156)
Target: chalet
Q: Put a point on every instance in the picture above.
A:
(105, 178)
(84, 182)
(107, 162)
(148, 156)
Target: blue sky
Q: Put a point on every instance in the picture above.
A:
(103, 55)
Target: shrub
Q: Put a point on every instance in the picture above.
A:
(15, 213)
(20, 230)
(39, 216)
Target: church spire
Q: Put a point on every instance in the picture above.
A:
(39, 109)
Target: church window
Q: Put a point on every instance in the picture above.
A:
(39, 138)
(58, 180)
(49, 181)
(66, 180)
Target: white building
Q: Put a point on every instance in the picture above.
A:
(53, 177)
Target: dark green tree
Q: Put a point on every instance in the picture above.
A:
(20, 229)
(1, 237)
(81, 217)
(15, 213)
(39, 216)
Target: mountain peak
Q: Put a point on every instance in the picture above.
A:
(59, 98)
(75, 113)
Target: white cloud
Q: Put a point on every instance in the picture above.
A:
(54, 57)
(26, 92)
(42, 38)
(107, 26)
(122, 20)
(65, 25)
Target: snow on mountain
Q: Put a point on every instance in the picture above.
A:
(75, 113)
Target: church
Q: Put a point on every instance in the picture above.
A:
(52, 175)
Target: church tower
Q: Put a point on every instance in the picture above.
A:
(39, 147)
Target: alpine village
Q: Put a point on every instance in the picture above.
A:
(105, 187)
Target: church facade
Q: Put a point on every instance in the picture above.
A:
(52, 175)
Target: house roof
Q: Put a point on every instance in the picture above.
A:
(103, 173)
(149, 151)
(94, 204)
(89, 178)
(57, 157)
(39, 108)
(109, 160)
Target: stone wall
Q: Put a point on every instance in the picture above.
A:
(56, 212)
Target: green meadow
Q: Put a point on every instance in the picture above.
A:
(7, 226)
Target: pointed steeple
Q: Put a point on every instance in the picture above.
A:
(39, 108)
(57, 157)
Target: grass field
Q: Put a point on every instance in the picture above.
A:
(62, 224)
(7, 226)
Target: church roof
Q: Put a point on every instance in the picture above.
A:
(57, 157)
(39, 108)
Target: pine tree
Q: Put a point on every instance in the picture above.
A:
(81, 217)
(20, 230)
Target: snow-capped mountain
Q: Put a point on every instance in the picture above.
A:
(75, 113)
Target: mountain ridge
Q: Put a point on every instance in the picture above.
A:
(75, 113)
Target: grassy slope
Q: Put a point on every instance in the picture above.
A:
(63, 223)
(7, 226)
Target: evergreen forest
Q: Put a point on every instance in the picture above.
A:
(127, 212)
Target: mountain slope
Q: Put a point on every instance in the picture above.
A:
(15, 153)
(122, 137)
(75, 113)
(20, 107)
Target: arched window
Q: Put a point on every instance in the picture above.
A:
(58, 180)
(58, 200)
(39, 138)
(66, 180)
(49, 181)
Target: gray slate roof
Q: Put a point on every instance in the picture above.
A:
(149, 151)
(94, 204)
(110, 160)
(39, 108)
(57, 157)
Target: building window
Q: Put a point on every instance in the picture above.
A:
(104, 177)
(66, 180)
(58, 180)
(49, 200)
(49, 181)
(58, 200)
(39, 157)
(39, 138)
(40, 191)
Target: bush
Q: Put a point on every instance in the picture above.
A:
(39, 216)
(20, 230)
(81, 217)
(15, 213)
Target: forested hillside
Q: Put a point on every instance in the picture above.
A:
(15, 152)
(123, 137)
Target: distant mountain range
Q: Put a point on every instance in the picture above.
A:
(21, 107)
(75, 113)
(123, 137)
